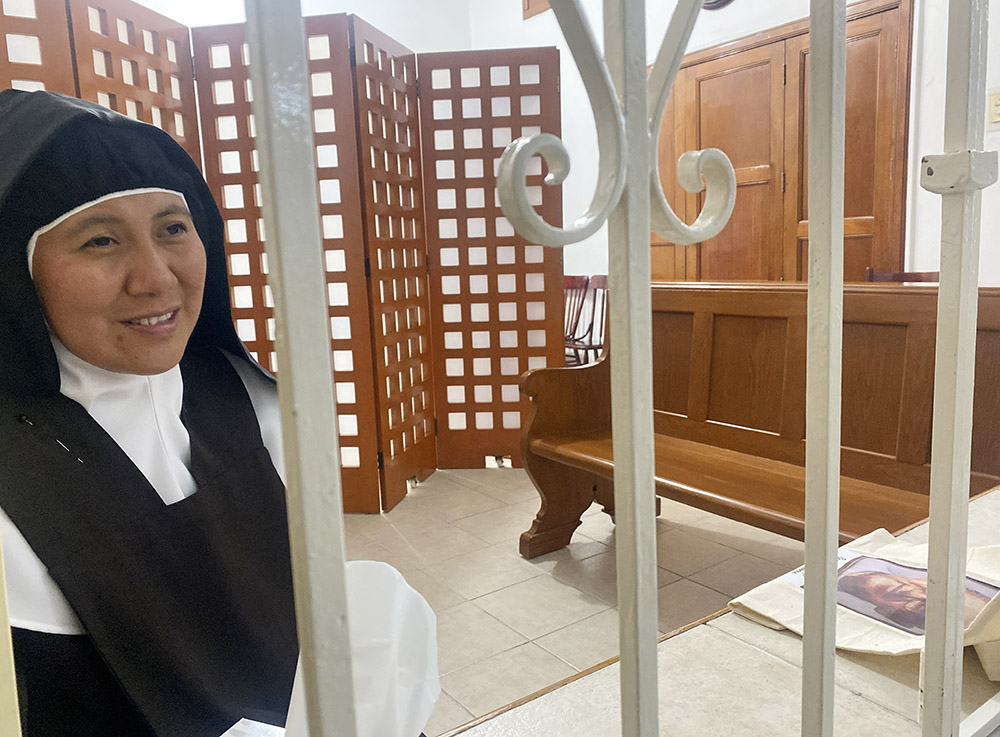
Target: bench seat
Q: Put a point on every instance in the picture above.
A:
(759, 491)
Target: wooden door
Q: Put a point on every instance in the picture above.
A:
(671, 262)
(875, 148)
(736, 104)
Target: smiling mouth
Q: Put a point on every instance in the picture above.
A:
(153, 319)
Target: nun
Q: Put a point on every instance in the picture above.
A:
(142, 508)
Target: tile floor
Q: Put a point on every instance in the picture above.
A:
(508, 627)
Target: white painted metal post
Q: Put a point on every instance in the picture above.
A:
(958, 175)
(315, 518)
(632, 377)
(827, 99)
(626, 133)
(9, 717)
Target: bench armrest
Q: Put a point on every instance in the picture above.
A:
(569, 401)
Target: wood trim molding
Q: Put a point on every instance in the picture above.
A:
(786, 31)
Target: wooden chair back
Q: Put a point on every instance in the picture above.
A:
(575, 291)
(591, 337)
(729, 370)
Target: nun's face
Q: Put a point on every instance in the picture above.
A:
(121, 282)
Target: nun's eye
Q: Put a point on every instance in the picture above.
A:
(101, 241)
(176, 229)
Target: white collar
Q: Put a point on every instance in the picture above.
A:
(141, 414)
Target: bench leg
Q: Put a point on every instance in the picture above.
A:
(565, 493)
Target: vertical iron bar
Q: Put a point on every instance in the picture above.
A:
(9, 717)
(827, 99)
(953, 379)
(284, 122)
(632, 377)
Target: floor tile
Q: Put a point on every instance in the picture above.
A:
(467, 634)
(426, 541)
(784, 550)
(675, 514)
(499, 525)
(497, 681)
(685, 553)
(449, 502)
(447, 715)
(599, 527)
(587, 642)
(540, 605)
(730, 533)
(598, 576)
(438, 594)
(483, 571)
(684, 601)
(738, 575)
(578, 549)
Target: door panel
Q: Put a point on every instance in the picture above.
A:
(875, 125)
(671, 262)
(736, 104)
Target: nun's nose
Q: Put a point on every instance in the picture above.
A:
(150, 268)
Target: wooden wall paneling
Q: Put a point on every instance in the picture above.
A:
(746, 377)
(671, 262)
(672, 341)
(496, 299)
(986, 402)
(137, 62)
(736, 104)
(385, 84)
(873, 369)
(231, 165)
(35, 52)
(874, 164)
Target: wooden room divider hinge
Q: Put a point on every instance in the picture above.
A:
(416, 84)
(784, 74)
(435, 425)
(381, 461)
(368, 267)
(72, 50)
(352, 52)
(782, 182)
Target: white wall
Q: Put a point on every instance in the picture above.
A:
(498, 23)
(423, 26)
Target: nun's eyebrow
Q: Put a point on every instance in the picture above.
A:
(95, 219)
(172, 210)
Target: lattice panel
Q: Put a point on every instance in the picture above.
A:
(385, 78)
(34, 46)
(231, 168)
(496, 299)
(138, 63)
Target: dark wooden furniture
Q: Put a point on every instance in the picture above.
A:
(574, 296)
(589, 342)
(729, 410)
(748, 97)
(902, 276)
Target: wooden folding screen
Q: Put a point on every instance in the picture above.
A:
(34, 46)
(231, 167)
(389, 136)
(137, 62)
(496, 299)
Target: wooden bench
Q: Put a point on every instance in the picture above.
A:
(729, 410)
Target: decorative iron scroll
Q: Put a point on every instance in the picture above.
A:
(709, 170)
